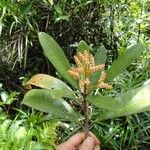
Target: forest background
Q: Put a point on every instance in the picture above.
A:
(117, 25)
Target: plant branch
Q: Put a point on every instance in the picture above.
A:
(86, 115)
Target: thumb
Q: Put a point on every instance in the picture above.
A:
(88, 144)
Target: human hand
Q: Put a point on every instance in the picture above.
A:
(78, 142)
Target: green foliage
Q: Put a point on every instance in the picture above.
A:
(133, 101)
(56, 87)
(15, 135)
(57, 57)
(124, 60)
(83, 46)
(27, 130)
(6, 98)
(15, 31)
(104, 102)
(130, 132)
(42, 100)
(100, 56)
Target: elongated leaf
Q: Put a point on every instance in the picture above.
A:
(105, 102)
(1, 27)
(124, 61)
(59, 93)
(134, 101)
(41, 99)
(56, 56)
(100, 58)
(57, 87)
(51, 2)
(25, 9)
(82, 46)
(47, 82)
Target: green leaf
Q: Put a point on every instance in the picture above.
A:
(26, 8)
(41, 100)
(11, 97)
(56, 56)
(82, 46)
(124, 61)
(47, 82)
(1, 85)
(100, 56)
(134, 101)
(57, 93)
(63, 17)
(104, 102)
(2, 103)
(57, 87)
(51, 2)
(4, 95)
(58, 9)
(1, 27)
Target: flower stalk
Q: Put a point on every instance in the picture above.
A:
(86, 112)
(85, 67)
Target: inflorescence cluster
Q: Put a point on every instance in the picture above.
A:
(85, 68)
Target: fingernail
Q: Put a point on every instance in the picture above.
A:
(89, 141)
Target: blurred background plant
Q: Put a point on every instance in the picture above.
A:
(116, 24)
(32, 132)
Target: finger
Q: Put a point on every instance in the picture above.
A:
(97, 147)
(88, 144)
(62, 147)
(76, 139)
(96, 140)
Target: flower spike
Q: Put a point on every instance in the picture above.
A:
(85, 68)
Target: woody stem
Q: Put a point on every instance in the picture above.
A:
(86, 113)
